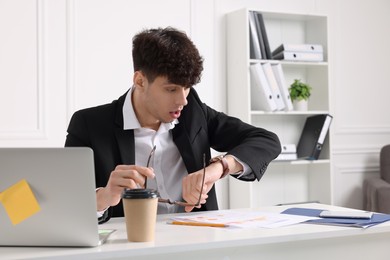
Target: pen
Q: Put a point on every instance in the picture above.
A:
(197, 224)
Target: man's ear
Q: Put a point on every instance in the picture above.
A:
(139, 79)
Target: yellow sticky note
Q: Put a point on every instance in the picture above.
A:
(19, 202)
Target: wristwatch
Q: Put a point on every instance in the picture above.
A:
(225, 165)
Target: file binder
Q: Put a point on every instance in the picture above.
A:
(273, 85)
(289, 148)
(261, 94)
(313, 136)
(254, 37)
(289, 153)
(286, 157)
(299, 56)
(298, 48)
(279, 75)
(259, 34)
(268, 54)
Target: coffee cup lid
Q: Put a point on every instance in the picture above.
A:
(139, 194)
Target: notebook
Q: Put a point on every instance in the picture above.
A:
(63, 184)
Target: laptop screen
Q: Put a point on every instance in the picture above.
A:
(62, 184)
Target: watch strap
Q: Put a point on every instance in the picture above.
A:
(224, 163)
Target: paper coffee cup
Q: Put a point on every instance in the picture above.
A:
(140, 208)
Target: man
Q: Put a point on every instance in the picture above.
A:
(162, 110)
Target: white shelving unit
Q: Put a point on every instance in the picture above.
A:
(292, 181)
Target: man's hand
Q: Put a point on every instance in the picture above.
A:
(124, 176)
(192, 184)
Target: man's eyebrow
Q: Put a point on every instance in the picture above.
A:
(170, 84)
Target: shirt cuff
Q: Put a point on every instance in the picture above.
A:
(246, 169)
(100, 213)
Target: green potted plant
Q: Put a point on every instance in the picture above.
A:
(299, 94)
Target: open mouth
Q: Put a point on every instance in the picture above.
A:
(175, 114)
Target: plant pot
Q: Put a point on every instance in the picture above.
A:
(300, 105)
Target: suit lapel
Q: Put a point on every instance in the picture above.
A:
(125, 138)
(185, 149)
(126, 145)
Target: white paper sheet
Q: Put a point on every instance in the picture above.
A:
(243, 219)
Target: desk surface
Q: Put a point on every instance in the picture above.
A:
(299, 241)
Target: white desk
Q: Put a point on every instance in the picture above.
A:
(302, 241)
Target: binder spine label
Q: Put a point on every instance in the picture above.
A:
(325, 128)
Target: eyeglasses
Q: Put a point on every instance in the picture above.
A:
(147, 164)
(177, 202)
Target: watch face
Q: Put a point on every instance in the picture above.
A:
(216, 159)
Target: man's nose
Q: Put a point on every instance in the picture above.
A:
(182, 97)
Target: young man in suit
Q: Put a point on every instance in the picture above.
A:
(163, 110)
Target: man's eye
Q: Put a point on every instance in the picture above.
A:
(171, 89)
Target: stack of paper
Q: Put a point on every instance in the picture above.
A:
(299, 52)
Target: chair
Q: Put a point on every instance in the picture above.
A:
(377, 190)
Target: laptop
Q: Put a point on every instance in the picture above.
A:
(63, 183)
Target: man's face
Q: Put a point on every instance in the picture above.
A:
(163, 100)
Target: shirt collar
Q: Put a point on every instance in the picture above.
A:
(130, 121)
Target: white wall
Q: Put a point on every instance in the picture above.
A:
(360, 94)
(57, 56)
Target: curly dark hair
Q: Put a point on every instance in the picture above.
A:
(167, 52)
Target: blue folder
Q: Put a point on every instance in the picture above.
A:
(376, 218)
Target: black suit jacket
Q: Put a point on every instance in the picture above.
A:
(199, 129)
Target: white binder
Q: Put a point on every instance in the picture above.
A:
(279, 75)
(261, 94)
(298, 48)
(299, 56)
(273, 85)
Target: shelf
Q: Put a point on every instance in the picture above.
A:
(301, 162)
(284, 181)
(286, 113)
(287, 64)
(292, 63)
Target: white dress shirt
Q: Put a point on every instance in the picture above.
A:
(169, 168)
